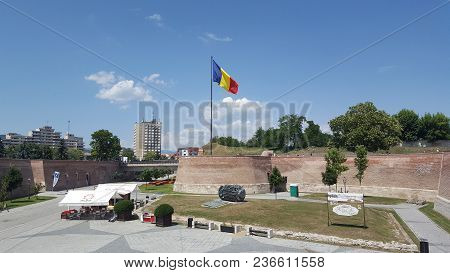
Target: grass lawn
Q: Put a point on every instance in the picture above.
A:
(164, 189)
(367, 199)
(288, 215)
(436, 217)
(24, 201)
(220, 150)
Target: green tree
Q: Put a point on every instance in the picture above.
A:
(29, 151)
(37, 188)
(105, 145)
(47, 152)
(275, 180)
(2, 149)
(151, 174)
(409, 122)
(151, 155)
(62, 153)
(434, 127)
(12, 152)
(335, 160)
(13, 178)
(257, 139)
(127, 152)
(364, 124)
(314, 136)
(75, 154)
(4, 184)
(361, 162)
(291, 132)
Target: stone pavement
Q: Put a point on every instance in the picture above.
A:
(423, 227)
(419, 223)
(37, 228)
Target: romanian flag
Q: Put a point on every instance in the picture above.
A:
(223, 79)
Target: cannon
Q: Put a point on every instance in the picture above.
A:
(232, 193)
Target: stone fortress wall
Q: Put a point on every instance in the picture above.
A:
(74, 174)
(442, 203)
(206, 174)
(412, 176)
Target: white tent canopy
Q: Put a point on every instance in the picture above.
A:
(120, 188)
(87, 198)
(98, 197)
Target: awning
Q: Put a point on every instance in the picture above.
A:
(97, 197)
(120, 188)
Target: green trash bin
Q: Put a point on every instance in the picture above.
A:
(294, 190)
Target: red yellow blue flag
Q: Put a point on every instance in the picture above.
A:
(223, 79)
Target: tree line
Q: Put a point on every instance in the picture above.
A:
(363, 124)
(289, 135)
(36, 151)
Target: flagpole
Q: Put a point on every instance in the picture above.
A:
(210, 105)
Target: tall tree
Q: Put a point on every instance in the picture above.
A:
(151, 155)
(62, 152)
(75, 154)
(2, 149)
(364, 124)
(291, 130)
(127, 152)
(4, 184)
(13, 178)
(335, 160)
(409, 122)
(314, 136)
(12, 152)
(257, 139)
(361, 162)
(275, 180)
(105, 145)
(151, 174)
(47, 152)
(434, 127)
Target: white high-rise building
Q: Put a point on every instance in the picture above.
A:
(147, 138)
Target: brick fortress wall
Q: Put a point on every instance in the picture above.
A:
(74, 174)
(404, 176)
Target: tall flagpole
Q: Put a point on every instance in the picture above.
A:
(211, 117)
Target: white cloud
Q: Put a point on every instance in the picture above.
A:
(123, 92)
(155, 18)
(118, 90)
(213, 37)
(155, 79)
(102, 78)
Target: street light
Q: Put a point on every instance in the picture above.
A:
(29, 188)
(67, 182)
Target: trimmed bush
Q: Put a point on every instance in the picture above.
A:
(163, 210)
(123, 207)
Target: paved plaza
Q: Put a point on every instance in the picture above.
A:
(37, 228)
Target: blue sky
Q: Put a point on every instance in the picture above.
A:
(267, 46)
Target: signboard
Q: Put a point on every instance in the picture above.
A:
(345, 197)
(345, 204)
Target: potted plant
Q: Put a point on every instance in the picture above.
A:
(163, 214)
(123, 209)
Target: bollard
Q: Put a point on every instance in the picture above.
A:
(210, 226)
(189, 223)
(424, 247)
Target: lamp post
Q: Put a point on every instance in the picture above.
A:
(29, 188)
(67, 182)
(76, 173)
